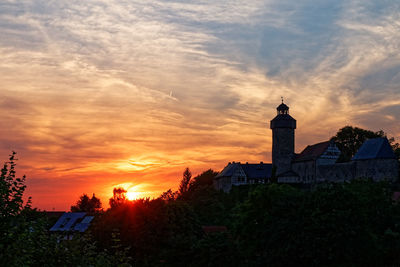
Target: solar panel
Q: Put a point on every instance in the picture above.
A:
(67, 220)
(87, 219)
(84, 225)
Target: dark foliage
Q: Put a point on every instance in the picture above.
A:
(169, 195)
(158, 232)
(185, 183)
(87, 204)
(217, 249)
(205, 179)
(352, 224)
(119, 197)
(24, 236)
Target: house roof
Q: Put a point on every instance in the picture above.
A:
(312, 152)
(256, 171)
(376, 148)
(228, 170)
(252, 171)
(54, 214)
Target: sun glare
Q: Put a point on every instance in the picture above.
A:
(132, 195)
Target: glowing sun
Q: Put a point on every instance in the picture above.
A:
(132, 195)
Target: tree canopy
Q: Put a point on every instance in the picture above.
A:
(118, 198)
(185, 182)
(11, 190)
(87, 204)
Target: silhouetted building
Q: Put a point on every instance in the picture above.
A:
(315, 164)
(237, 173)
(282, 126)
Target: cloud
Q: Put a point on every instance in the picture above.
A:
(86, 86)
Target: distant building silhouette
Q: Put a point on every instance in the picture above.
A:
(315, 164)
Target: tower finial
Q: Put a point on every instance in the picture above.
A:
(282, 99)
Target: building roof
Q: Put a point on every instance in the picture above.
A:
(282, 107)
(256, 171)
(229, 170)
(283, 117)
(312, 152)
(376, 148)
(252, 171)
(54, 214)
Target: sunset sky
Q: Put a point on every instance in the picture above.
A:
(101, 93)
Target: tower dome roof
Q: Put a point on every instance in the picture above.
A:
(282, 107)
(283, 119)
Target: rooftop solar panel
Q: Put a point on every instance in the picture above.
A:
(67, 220)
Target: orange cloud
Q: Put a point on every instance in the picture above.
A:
(102, 93)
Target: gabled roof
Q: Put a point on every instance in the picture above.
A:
(256, 171)
(228, 170)
(312, 152)
(376, 148)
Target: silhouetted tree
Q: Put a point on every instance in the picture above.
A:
(11, 190)
(119, 197)
(87, 204)
(168, 195)
(395, 147)
(206, 178)
(185, 182)
(13, 221)
(24, 236)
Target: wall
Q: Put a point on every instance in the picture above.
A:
(378, 169)
(306, 170)
(338, 172)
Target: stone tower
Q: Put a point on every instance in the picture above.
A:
(282, 126)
